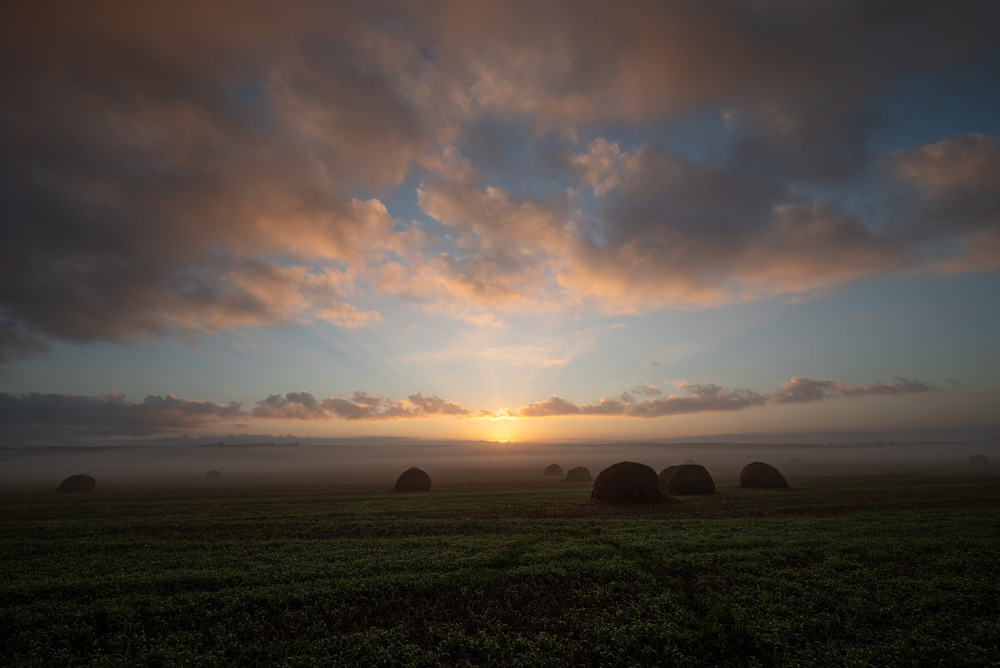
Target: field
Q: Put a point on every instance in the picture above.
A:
(879, 570)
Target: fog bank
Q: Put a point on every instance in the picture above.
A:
(376, 465)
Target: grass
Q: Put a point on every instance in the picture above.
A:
(865, 571)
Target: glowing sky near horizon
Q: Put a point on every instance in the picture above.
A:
(497, 220)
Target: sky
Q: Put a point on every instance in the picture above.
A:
(505, 221)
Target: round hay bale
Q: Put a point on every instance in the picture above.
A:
(795, 461)
(762, 476)
(213, 474)
(688, 479)
(553, 470)
(690, 461)
(413, 480)
(578, 474)
(665, 476)
(78, 483)
(627, 482)
(978, 459)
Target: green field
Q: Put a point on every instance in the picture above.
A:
(884, 570)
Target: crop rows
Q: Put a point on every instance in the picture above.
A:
(820, 575)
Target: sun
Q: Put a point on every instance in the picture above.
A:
(502, 429)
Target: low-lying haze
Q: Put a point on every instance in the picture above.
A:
(374, 466)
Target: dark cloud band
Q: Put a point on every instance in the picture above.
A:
(37, 416)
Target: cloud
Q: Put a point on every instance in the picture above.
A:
(701, 398)
(165, 176)
(957, 181)
(803, 390)
(599, 166)
(140, 179)
(797, 80)
(30, 415)
(348, 316)
(948, 171)
(60, 417)
(648, 390)
(713, 398)
(549, 407)
(658, 235)
(359, 406)
(503, 246)
(18, 340)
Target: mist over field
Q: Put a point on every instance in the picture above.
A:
(377, 464)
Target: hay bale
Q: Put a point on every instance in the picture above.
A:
(665, 476)
(413, 480)
(627, 482)
(978, 459)
(78, 483)
(795, 461)
(762, 476)
(213, 474)
(578, 474)
(553, 470)
(688, 479)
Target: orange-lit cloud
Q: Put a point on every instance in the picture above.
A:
(957, 180)
(701, 398)
(187, 170)
(359, 406)
(662, 238)
(35, 416)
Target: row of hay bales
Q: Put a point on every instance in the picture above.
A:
(622, 480)
(577, 474)
(626, 482)
(632, 482)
